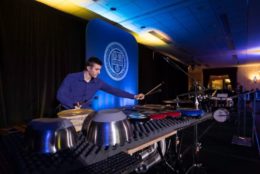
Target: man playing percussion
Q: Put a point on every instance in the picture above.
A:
(77, 89)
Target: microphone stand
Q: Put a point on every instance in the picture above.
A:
(195, 83)
(197, 144)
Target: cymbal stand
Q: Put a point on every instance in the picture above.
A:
(174, 65)
(197, 146)
(177, 104)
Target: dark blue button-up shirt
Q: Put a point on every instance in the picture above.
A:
(75, 89)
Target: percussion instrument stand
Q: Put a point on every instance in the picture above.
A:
(177, 166)
(174, 65)
(178, 156)
(243, 139)
(197, 146)
(254, 115)
(177, 104)
(254, 133)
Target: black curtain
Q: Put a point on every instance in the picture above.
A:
(38, 47)
(153, 70)
(231, 72)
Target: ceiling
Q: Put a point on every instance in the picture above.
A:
(211, 33)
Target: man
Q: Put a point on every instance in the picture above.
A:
(78, 89)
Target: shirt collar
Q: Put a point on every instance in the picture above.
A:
(81, 78)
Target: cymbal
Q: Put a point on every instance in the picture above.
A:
(190, 93)
(176, 101)
(170, 101)
(73, 112)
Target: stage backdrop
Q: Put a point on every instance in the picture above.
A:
(119, 52)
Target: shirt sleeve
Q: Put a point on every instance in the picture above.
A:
(115, 91)
(64, 93)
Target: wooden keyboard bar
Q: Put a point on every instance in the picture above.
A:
(149, 143)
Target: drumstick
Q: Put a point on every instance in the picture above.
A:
(214, 93)
(154, 92)
(154, 89)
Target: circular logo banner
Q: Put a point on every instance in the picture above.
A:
(116, 61)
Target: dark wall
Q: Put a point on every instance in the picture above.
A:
(40, 45)
(153, 70)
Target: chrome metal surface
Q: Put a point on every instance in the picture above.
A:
(50, 135)
(109, 127)
(151, 156)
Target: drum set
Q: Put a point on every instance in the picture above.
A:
(219, 105)
(221, 108)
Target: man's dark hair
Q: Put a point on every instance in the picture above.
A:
(93, 60)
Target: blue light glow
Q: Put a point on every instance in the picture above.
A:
(252, 51)
(47, 141)
(107, 134)
(98, 41)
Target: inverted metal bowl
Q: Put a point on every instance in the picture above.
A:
(50, 135)
(109, 127)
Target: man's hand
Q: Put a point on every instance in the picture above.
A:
(140, 96)
(77, 106)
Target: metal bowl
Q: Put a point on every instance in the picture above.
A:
(50, 135)
(108, 127)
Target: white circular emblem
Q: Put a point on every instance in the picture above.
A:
(116, 61)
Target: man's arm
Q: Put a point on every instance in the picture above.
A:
(64, 93)
(115, 91)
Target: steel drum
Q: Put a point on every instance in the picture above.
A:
(108, 127)
(137, 115)
(76, 116)
(190, 112)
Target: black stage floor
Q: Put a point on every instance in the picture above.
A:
(218, 154)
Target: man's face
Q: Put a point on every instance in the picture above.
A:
(94, 70)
